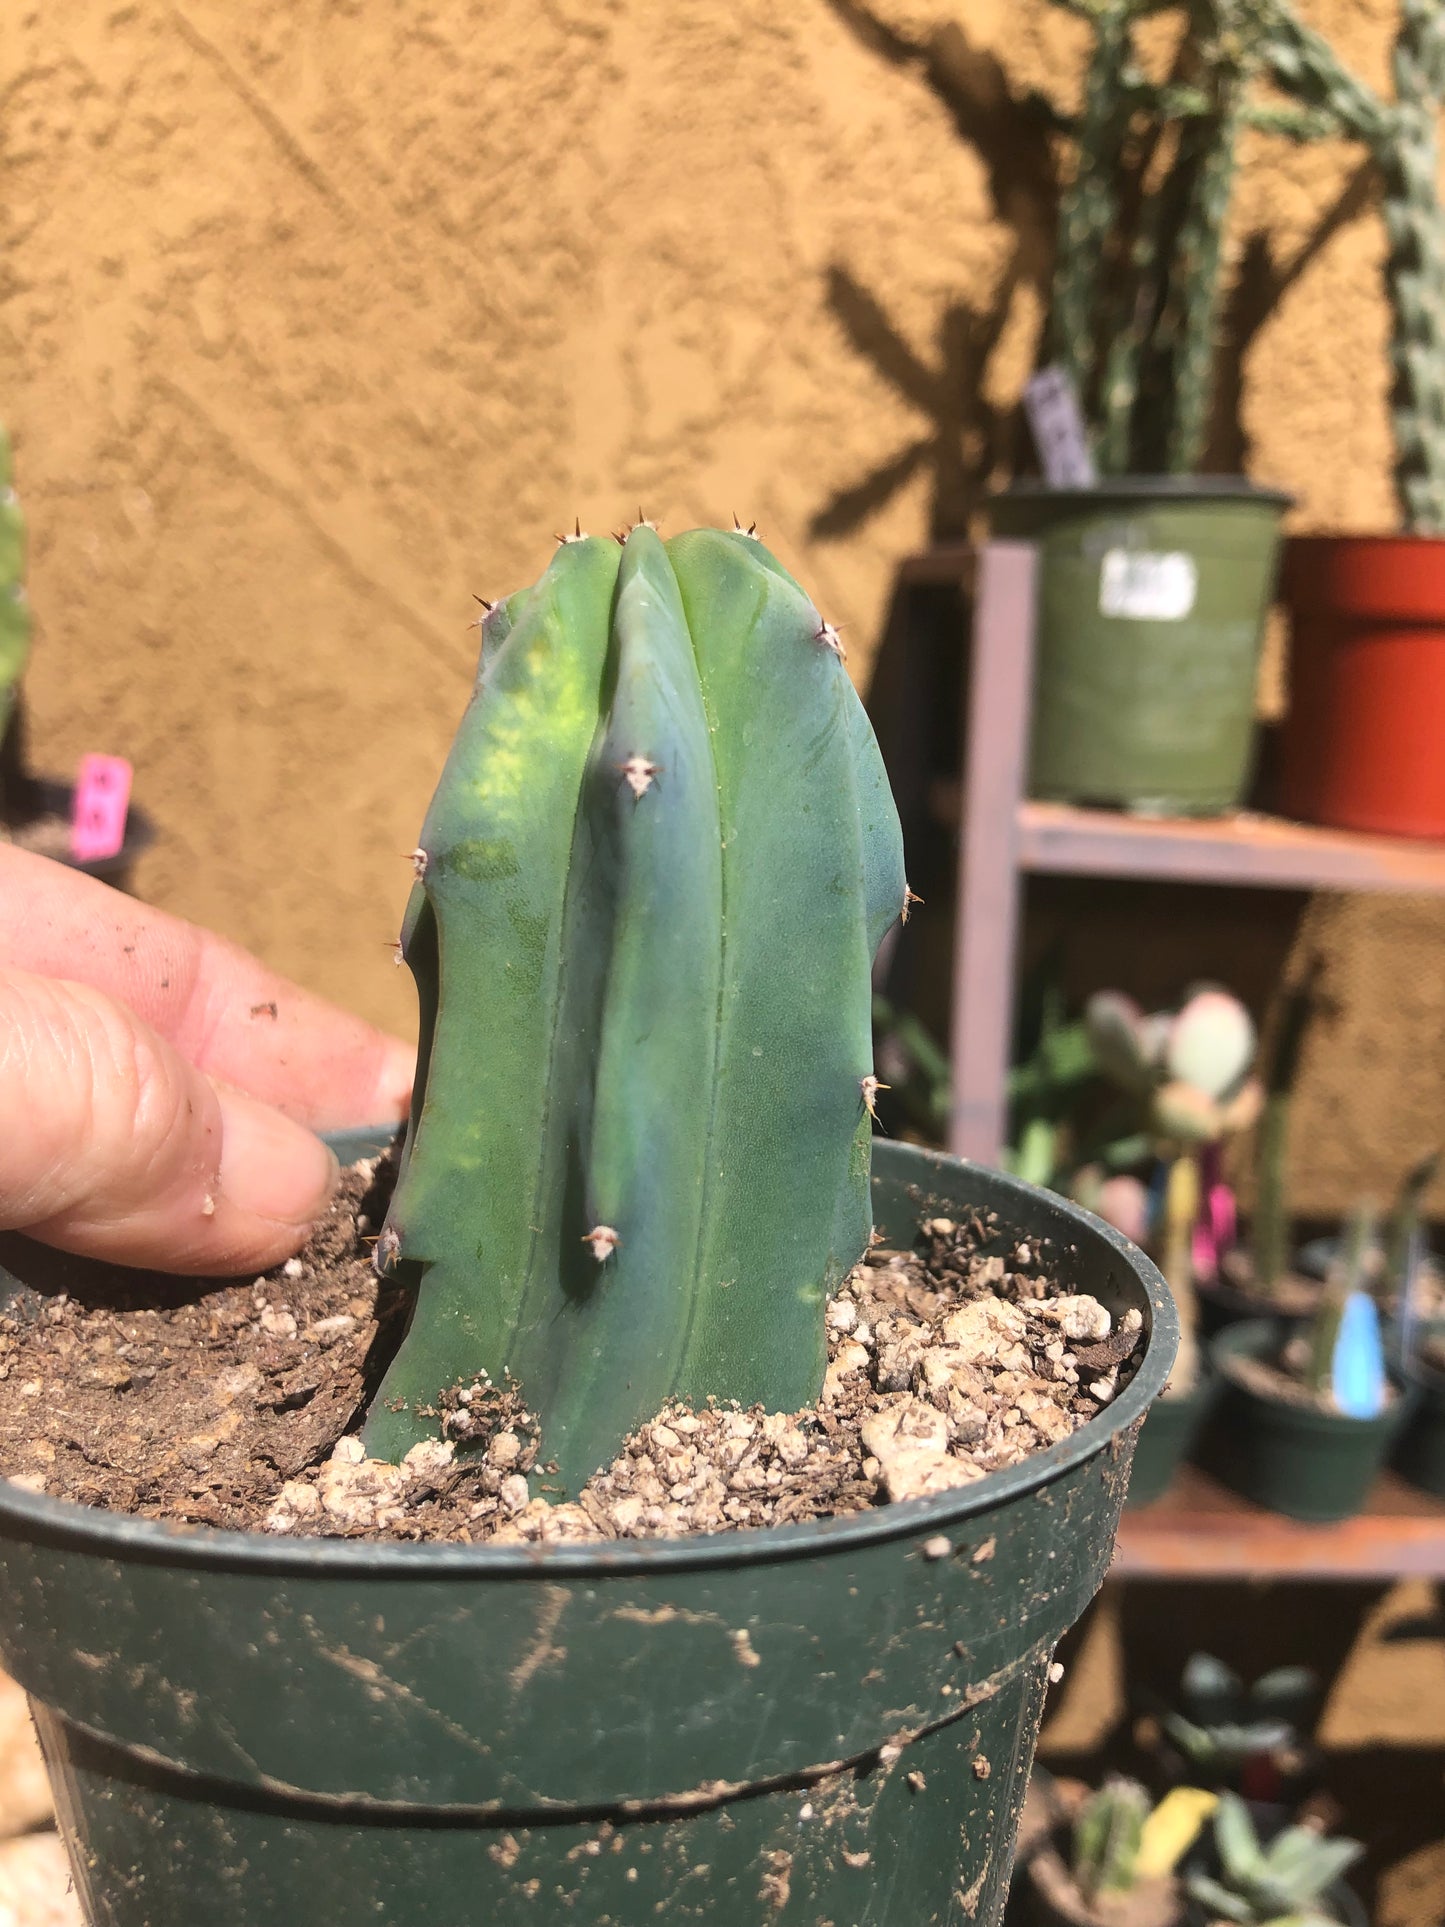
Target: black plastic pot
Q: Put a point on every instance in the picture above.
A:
(43, 798)
(1295, 1459)
(1420, 1455)
(822, 1722)
(1222, 1303)
(1168, 1435)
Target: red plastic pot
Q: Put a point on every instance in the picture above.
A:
(1362, 740)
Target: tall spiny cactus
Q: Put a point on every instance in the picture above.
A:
(1156, 303)
(14, 610)
(1415, 228)
(1404, 138)
(651, 883)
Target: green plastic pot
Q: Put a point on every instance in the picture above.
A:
(1167, 1437)
(1152, 598)
(1311, 1465)
(823, 1722)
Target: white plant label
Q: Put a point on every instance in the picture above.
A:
(1051, 403)
(1147, 586)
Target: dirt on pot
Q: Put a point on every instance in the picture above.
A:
(228, 1404)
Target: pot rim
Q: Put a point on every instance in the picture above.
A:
(1186, 488)
(66, 1523)
(1251, 1338)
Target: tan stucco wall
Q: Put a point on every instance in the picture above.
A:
(317, 318)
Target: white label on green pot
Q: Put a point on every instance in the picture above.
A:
(1147, 586)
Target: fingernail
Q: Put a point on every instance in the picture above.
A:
(271, 1167)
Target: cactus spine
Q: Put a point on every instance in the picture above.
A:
(659, 862)
(14, 610)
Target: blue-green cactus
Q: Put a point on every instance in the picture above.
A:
(651, 884)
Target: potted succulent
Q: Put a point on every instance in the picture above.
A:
(1309, 1413)
(660, 858)
(1187, 1085)
(1367, 685)
(1293, 1880)
(33, 810)
(1155, 578)
(1223, 1732)
(1108, 1858)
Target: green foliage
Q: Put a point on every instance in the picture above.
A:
(1221, 1724)
(14, 610)
(1280, 1885)
(652, 880)
(1107, 1835)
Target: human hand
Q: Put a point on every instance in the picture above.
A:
(159, 1088)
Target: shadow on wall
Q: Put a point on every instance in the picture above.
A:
(973, 445)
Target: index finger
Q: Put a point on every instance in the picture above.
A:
(219, 1006)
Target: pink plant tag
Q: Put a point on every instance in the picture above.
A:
(102, 800)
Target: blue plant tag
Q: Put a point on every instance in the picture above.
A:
(1359, 1361)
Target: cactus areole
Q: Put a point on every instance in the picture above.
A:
(661, 857)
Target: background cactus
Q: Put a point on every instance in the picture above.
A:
(14, 610)
(1415, 228)
(651, 884)
(1142, 215)
(1107, 1837)
(1271, 1223)
(1119, 1843)
(1141, 225)
(1403, 135)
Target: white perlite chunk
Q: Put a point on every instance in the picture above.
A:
(354, 1493)
(1080, 1318)
(910, 1442)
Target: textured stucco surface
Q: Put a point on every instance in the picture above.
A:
(317, 317)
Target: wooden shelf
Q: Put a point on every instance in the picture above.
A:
(1201, 1530)
(1268, 851)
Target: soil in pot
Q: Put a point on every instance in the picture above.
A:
(229, 1404)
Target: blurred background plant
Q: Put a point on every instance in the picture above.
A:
(14, 615)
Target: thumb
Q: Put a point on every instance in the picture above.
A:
(113, 1146)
